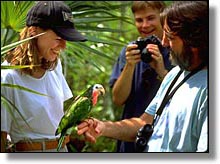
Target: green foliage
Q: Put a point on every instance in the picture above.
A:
(12, 19)
(7, 48)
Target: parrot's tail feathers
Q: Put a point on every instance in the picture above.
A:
(57, 132)
(60, 142)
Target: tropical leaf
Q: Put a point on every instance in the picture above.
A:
(13, 14)
(7, 48)
(16, 66)
(22, 88)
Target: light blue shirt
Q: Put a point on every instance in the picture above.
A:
(183, 124)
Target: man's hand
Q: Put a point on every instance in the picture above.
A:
(132, 54)
(157, 63)
(91, 129)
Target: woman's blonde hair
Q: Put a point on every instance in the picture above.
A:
(27, 54)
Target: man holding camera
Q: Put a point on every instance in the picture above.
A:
(134, 82)
(180, 125)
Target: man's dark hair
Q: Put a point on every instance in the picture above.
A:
(189, 20)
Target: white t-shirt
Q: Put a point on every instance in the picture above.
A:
(183, 124)
(42, 113)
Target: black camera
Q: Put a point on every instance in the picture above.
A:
(143, 136)
(143, 42)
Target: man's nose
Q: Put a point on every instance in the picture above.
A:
(146, 23)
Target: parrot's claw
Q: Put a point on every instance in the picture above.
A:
(92, 119)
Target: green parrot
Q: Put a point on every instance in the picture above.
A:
(77, 111)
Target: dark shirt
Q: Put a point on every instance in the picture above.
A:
(144, 87)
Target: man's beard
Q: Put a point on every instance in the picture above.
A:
(182, 59)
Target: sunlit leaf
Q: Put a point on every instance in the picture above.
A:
(7, 48)
(22, 88)
(17, 66)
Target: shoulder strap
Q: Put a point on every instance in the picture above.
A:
(169, 95)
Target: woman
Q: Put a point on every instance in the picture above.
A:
(42, 114)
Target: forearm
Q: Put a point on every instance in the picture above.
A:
(125, 130)
(122, 87)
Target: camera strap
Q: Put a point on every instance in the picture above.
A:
(168, 96)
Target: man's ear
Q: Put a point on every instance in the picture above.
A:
(32, 30)
(196, 56)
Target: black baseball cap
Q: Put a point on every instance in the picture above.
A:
(55, 15)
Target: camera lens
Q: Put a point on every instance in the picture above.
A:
(143, 135)
(146, 56)
(141, 141)
(140, 144)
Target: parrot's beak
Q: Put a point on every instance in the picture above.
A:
(102, 91)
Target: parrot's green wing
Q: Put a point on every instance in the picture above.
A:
(76, 112)
(69, 102)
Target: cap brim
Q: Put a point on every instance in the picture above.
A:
(69, 34)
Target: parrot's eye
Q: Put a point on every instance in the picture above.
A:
(96, 87)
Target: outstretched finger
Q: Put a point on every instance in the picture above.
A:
(83, 124)
(81, 130)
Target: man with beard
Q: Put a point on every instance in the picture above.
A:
(179, 111)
